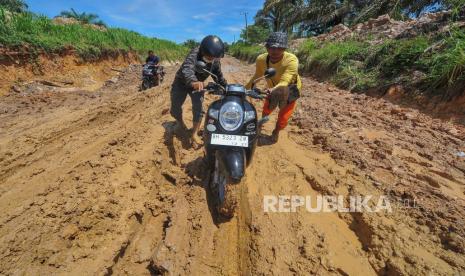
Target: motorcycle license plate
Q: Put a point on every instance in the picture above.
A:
(230, 140)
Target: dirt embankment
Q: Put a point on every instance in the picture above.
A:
(99, 184)
(409, 85)
(22, 69)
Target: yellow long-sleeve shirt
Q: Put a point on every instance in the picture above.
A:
(286, 71)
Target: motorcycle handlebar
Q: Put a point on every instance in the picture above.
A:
(255, 95)
(209, 91)
(215, 89)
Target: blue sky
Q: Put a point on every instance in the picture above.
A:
(176, 20)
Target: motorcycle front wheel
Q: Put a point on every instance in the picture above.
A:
(145, 84)
(226, 193)
(156, 80)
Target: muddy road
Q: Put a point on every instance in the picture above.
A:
(98, 183)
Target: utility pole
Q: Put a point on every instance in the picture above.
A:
(246, 31)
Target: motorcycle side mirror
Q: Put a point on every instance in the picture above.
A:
(200, 66)
(270, 72)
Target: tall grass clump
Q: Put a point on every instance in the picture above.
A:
(447, 67)
(28, 29)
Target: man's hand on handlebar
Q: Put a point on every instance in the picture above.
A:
(197, 86)
(256, 93)
(211, 86)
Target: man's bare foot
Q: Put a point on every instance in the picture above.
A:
(275, 135)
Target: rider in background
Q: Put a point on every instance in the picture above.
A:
(285, 86)
(152, 58)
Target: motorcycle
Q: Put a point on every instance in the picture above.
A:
(231, 132)
(152, 75)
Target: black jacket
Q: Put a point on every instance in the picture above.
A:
(186, 73)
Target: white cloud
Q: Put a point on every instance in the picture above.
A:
(206, 16)
(233, 29)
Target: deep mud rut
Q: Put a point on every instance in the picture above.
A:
(98, 183)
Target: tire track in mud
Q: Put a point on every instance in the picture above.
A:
(208, 245)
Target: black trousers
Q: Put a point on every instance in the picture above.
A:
(179, 93)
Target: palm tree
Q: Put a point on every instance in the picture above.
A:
(278, 15)
(318, 16)
(86, 18)
(323, 14)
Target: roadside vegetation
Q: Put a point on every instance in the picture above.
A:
(245, 51)
(22, 29)
(434, 63)
(358, 65)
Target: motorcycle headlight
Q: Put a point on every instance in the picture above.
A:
(231, 116)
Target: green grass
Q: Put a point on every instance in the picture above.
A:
(447, 67)
(39, 32)
(358, 65)
(396, 56)
(246, 51)
(334, 54)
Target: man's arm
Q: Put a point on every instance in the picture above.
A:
(290, 72)
(221, 80)
(259, 71)
(188, 67)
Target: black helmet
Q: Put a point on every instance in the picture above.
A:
(277, 40)
(212, 46)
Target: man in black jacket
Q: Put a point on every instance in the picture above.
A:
(189, 82)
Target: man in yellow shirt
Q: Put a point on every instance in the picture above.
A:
(285, 86)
